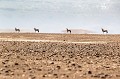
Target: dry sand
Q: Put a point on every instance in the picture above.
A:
(59, 56)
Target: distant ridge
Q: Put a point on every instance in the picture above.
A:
(79, 31)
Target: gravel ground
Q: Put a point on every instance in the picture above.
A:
(59, 60)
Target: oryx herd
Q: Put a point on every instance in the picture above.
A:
(103, 30)
(67, 30)
(35, 29)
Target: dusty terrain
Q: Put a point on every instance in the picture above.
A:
(59, 56)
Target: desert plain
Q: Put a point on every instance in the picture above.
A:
(59, 56)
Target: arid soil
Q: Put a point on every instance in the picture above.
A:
(63, 37)
(59, 60)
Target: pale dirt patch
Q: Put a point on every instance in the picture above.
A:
(26, 40)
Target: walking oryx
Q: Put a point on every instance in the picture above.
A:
(36, 30)
(16, 29)
(103, 30)
(68, 30)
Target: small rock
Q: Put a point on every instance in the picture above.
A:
(67, 76)
(73, 64)
(44, 51)
(6, 71)
(79, 66)
(39, 69)
(16, 64)
(29, 69)
(44, 75)
(1, 69)
(58, 67)
(89, 72)
(5, 66)
(18, 56)
(56, 75)
(69, 69)
(52, 62)
(3, 62)
(117, 75)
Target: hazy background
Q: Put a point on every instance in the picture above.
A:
(57, 15)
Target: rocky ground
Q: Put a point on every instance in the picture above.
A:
(60, 60)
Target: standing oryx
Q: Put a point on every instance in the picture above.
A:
(36, 30)
(68, 30)
(103, 30)
(17, 30)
